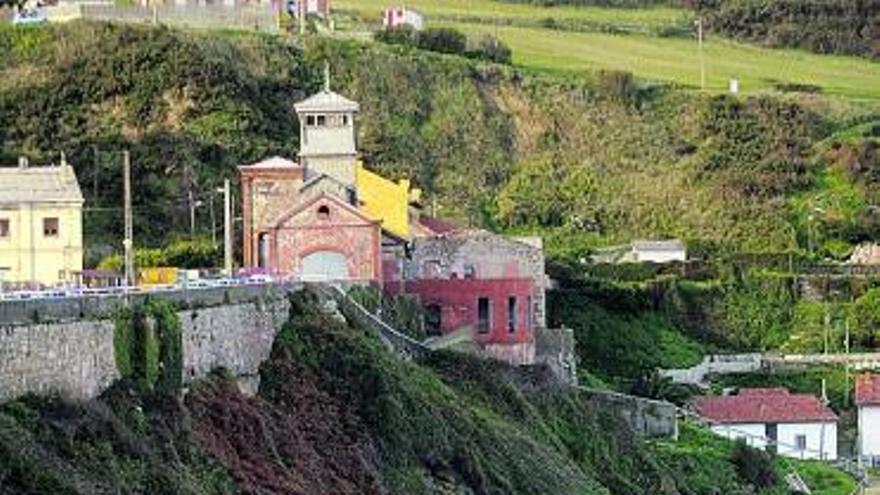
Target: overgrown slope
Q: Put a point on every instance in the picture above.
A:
(338, 413)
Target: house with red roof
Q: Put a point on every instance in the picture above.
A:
(794, 425)
(868, 404)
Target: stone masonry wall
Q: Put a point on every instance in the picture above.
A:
(236, 337)
(72, 359)
(72, 355)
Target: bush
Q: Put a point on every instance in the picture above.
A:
(442, 40)
(493, 49)
(754, 466)
(617, 85)
(403, 35)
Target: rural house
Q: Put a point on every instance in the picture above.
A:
(795, 425)
(642, 251)
(41, 240)
(867, 397)
(395, 17)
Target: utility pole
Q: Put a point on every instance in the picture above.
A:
(213, 219)
(127, 243)
(227, 228)
(702, 58)
(192, 212)
(301, 9)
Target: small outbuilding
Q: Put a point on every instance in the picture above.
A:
(794, 425)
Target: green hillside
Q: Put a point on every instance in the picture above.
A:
(589, 160)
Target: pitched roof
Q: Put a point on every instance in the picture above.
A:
(306, 203)
(670, 245)
(273, 163)
(868, 390)
(327, 101)
(764, 405)
(51, 184)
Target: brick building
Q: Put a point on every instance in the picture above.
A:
(329, 218)
(472, 279)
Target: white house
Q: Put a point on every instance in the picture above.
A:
(643, 252)
(795, 425)
(657, 251)
(868, 402)
(402, 16)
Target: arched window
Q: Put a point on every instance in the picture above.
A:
(323, 212)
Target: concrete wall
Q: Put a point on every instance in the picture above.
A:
(22, 312)
(869, 432)
(753, 433)
(650, 418)
(821, 440)
(73, 355)
(259, 18)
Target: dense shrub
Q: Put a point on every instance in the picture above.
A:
(442, 40)
(492, 49)
(617, 85)
(823, 26)
(754, 466)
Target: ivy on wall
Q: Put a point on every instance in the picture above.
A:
(148, 345)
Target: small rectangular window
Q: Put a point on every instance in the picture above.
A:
(345, 120)
(4, 228)
(310, 120)
(511, 314)
(801, 442)
(484, 315)
(322, 120)
(50, 227)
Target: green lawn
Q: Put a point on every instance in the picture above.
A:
(677, 60)
(653, 17)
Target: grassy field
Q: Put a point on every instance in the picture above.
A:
(651, 58)
(654, 17)
(677, 60)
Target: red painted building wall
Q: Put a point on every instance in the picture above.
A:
(458, 303)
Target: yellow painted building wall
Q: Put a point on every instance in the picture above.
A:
(384, 200)
(30, 256)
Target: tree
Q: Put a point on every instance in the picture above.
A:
(754, 466)
(865, 318)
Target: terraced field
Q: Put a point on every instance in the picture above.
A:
(637, 40)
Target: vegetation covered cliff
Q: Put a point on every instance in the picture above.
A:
(338, 413)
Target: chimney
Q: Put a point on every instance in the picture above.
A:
(63, 159)
(22, 162)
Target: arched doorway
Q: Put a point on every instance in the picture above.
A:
(325, 265)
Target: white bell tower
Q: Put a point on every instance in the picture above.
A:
(327, 135)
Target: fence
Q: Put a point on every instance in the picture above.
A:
(260, 17)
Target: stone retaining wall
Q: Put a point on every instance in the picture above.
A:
(68, 348)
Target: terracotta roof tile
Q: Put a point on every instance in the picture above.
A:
(764, 405)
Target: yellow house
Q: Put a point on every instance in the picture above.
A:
(40, 224)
